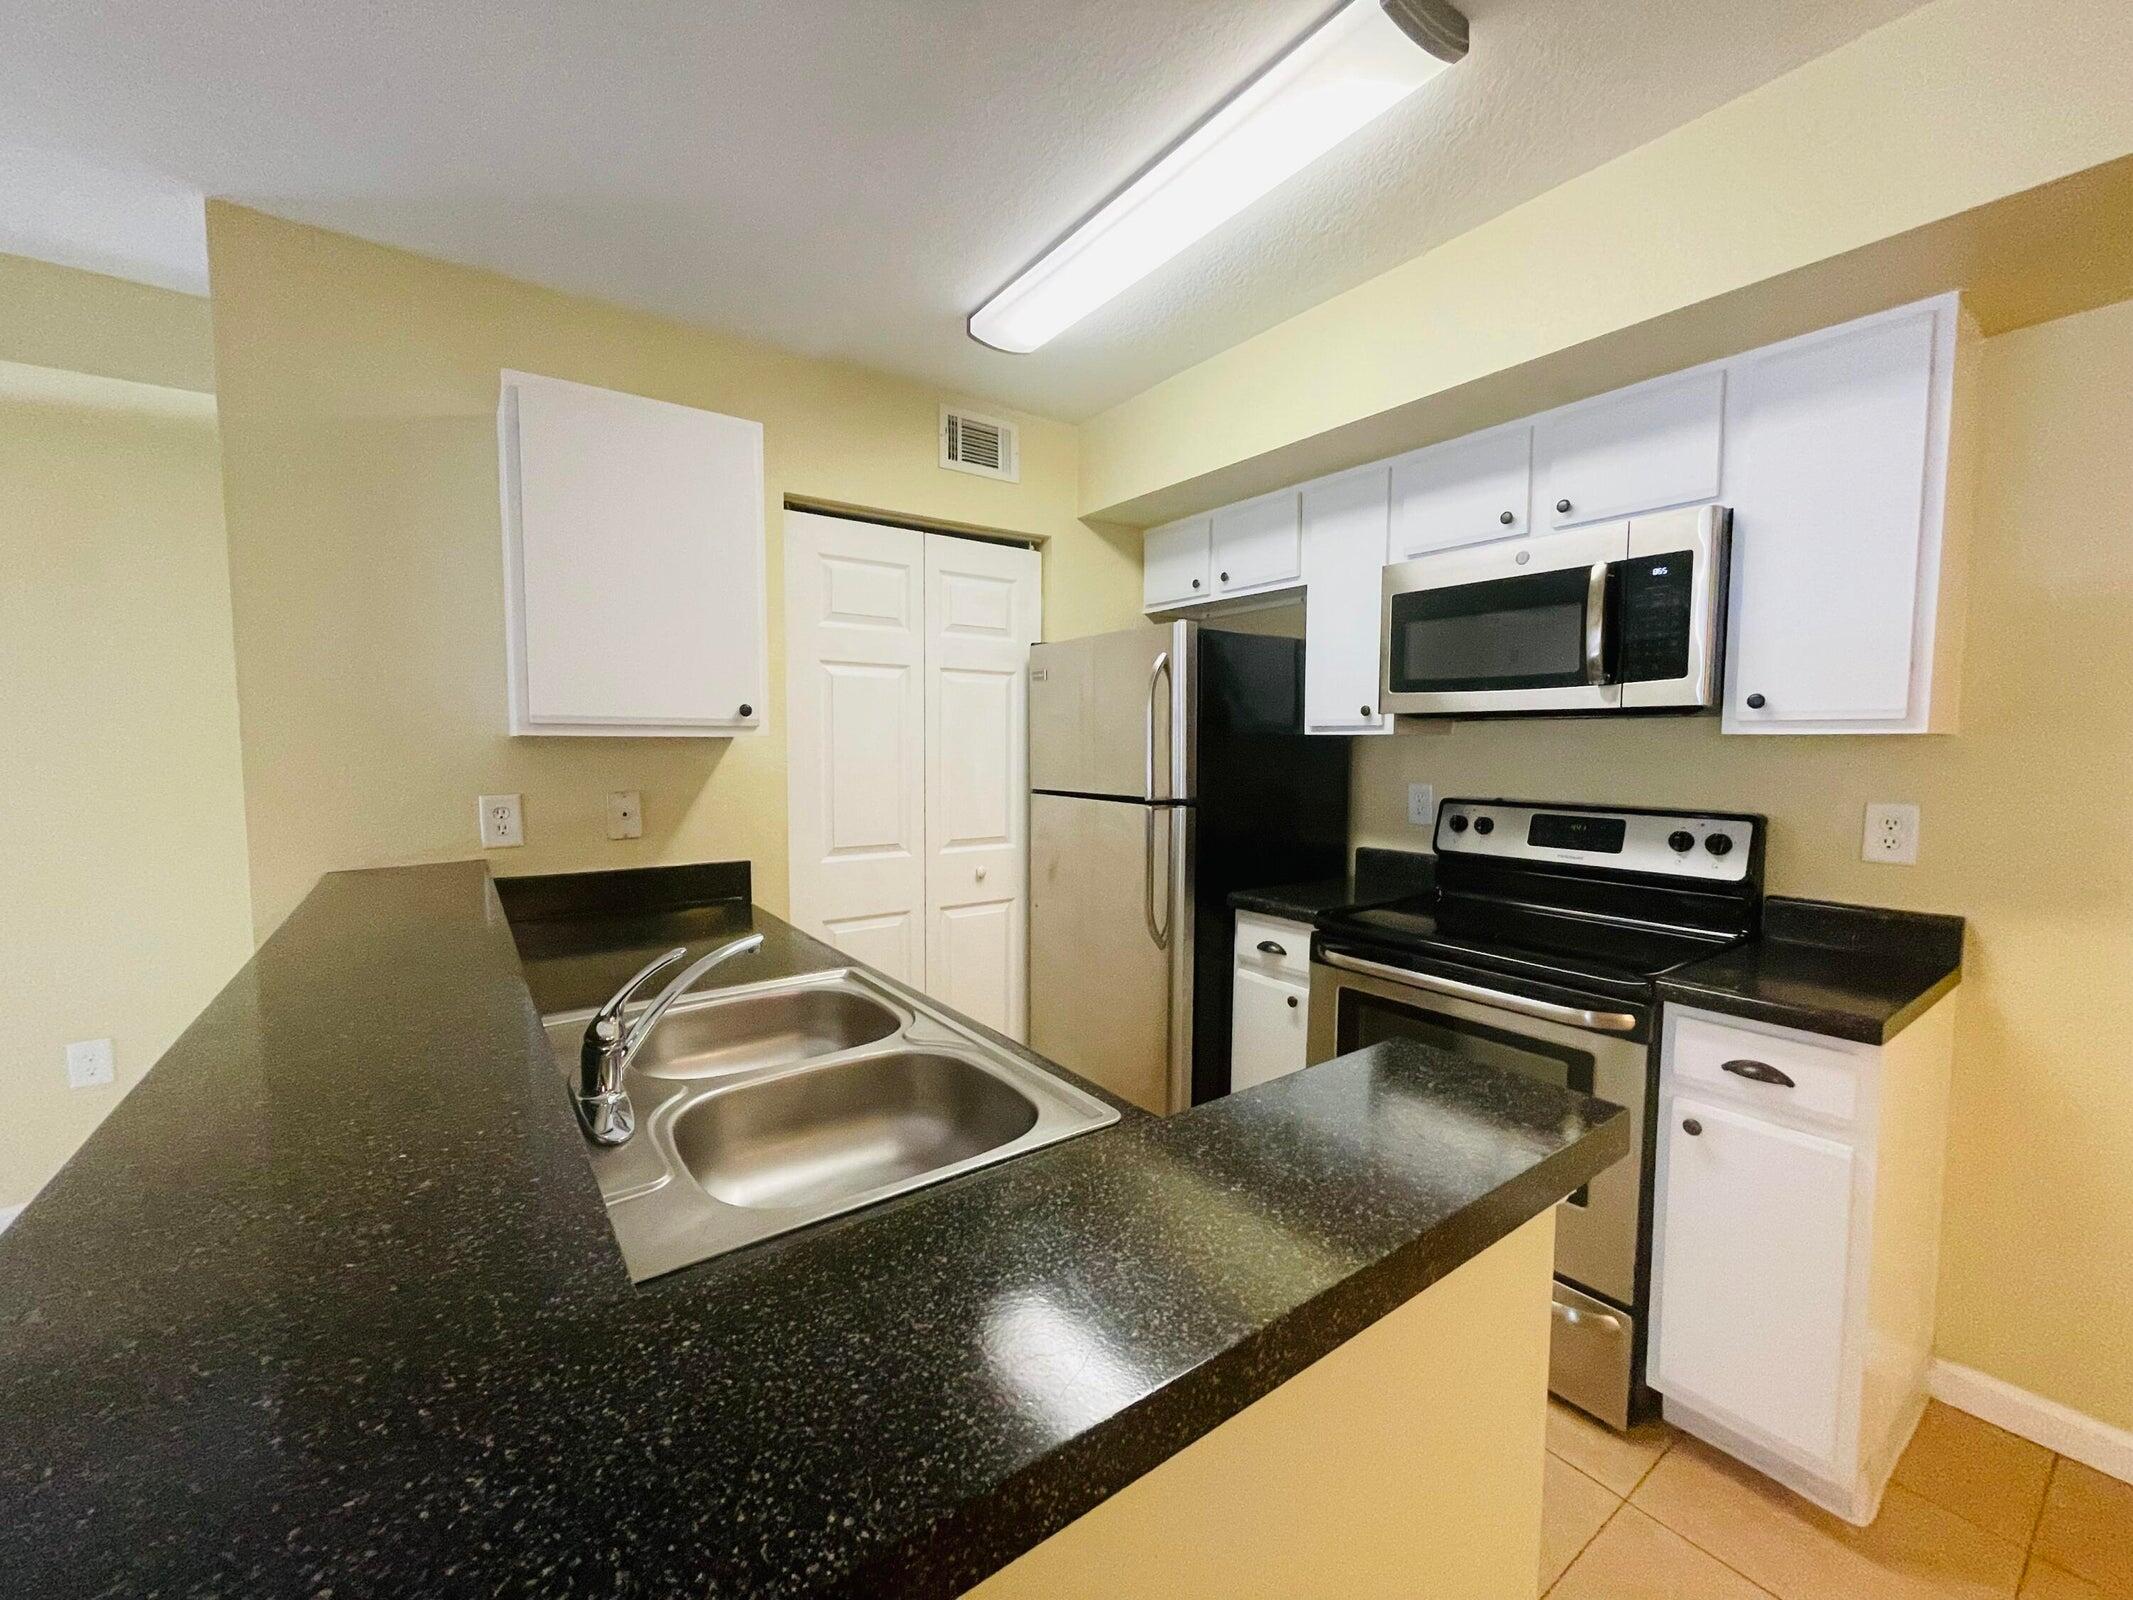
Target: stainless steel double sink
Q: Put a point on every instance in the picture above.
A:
(766, 1108)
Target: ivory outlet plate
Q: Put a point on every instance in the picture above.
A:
(501, 824)
(625, 815)
(1891, 833)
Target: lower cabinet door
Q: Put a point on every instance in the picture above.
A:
(1750, 1266)
(1266, 1030)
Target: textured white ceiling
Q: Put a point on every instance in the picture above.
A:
(848, 177)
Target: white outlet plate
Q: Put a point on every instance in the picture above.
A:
(89, 1063)
(501, 824)
(1422, 804)
(625, 815)
(1891, 833)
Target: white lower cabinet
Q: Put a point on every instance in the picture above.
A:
(1270, 1000)
(1795, 1245)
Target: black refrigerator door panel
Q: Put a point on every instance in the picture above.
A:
(1273, 808)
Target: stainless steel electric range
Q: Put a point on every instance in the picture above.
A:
(1535, 952)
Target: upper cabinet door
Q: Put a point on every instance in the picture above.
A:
(1174, 569)
(1827, 462)
(1344, 563)
(1258, 544)
(1642, 449)
(1464, 492)
(633, 542)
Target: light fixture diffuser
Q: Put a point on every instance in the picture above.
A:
(1355, 66)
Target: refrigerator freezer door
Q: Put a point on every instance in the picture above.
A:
(1097, 705)
(1105, 999)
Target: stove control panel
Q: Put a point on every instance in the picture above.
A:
(1712, 849)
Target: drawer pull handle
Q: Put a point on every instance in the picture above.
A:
(1270, 948)
(1759, 1072)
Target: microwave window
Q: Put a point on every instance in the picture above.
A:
(1537, 642)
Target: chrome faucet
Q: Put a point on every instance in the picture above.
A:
(611, 1043)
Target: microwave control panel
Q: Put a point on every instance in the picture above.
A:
(1657, 594)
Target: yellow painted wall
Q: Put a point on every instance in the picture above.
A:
(123, 905)
(358, 394)
(85, 322)
(2027, 818)
(1951, 107)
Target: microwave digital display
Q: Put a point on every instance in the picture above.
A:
(1600, 836)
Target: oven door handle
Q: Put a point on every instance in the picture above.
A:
(1546, 1010)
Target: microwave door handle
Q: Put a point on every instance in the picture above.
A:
(1596, 623)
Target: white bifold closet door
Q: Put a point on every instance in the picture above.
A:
(907, 698)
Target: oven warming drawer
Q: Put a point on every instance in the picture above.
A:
(1591, 1354)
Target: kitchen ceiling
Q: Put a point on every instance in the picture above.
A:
(846, 177)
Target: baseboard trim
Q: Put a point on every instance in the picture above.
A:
(2072, 1433)
(8, 1214)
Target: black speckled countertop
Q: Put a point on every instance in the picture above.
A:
(329, 1304)
(1378, 876)
(1851, 972)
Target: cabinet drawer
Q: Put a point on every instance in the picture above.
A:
(1706, 1054)
(1291, 956)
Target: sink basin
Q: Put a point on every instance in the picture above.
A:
(764, 1029)
(765, 1109)
(832, 1132)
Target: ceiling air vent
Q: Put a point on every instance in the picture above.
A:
(984, 445)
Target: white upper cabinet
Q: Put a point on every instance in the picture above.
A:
(633, 550)
(1174, 565)
(1836, 458)
(1258, 545)
(1639, 449)
(1344, 560)
(1465, 491)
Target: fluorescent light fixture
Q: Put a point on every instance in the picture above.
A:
(1356, 65)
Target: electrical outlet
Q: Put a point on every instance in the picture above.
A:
(1422, 804)
(625, 815)
(88, 1063)
(1891, 833)
(501, 825)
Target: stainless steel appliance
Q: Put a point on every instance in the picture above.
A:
(1535, 952)
(1168, 766)
(1628, 616)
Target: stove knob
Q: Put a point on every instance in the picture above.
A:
(1680, 841)
(1484, 824)
(1719, 844)
(1458, 822)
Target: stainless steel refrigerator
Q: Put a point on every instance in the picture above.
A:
(1168, 767)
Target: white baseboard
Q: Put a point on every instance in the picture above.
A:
(8, 1214)
(2080, 1437)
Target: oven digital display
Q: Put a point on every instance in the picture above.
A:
(1598, 835)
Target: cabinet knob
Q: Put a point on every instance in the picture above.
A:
(981, 874)
(1507, 519)
(1292, 1002)
(1196, 583)
(747, 711)
(1756, 702)
(1366, 711)
(1225, 577)
(1562, 505)
(1692, 1127)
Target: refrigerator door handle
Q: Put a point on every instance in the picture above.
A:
(1156, 930)
(1156, 674)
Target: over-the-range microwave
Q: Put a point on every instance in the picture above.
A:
(1625, 616)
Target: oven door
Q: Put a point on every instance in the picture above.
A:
(1521, 626)
(1356, 1001)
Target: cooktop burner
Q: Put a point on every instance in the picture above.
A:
(1574, 895)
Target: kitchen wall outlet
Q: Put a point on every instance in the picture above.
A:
(1891, 833)
(1422, 804)
(625, 815)
(501, 825)
(88, 1063)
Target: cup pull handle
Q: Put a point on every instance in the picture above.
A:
(1269, 947)
(1759, 1072)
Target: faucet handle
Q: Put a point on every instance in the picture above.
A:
(605, 1020)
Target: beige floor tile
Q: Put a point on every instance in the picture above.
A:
(2087, 1527)
(1634, 1558)
(1573, 1508)
(2044, 1581)
(1619, 1460)
(1981, 1473)
(1914, 1551)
